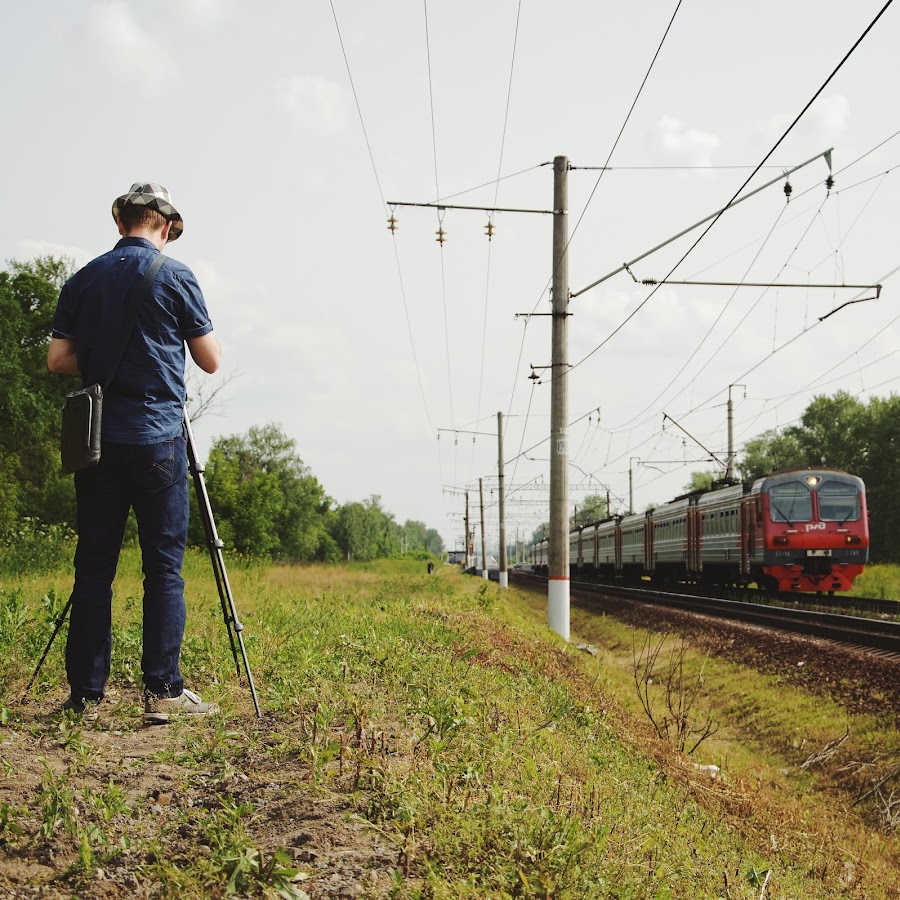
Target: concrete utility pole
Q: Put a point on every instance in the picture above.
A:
(631, 484)
(504, 574)
(468, 546)
(484, 563)
(558, 584)
(729, 469)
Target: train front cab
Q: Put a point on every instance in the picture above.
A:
(814, 531)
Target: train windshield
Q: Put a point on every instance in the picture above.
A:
(838, 502)
(790, 502)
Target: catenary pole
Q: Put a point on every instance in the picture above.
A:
(484, 562)
(504, 574)
(558, 583)
(468, 545)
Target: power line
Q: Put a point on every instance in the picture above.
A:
(590, 197)
(381, 195)
(490, 216)
(739, 190)
(440, 216)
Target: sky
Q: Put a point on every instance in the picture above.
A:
(288, 133)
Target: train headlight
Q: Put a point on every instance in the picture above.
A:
(854, 539)
(812, 480)
(780, 540)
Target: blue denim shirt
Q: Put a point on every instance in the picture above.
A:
(144, 402)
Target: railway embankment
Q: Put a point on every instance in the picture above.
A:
(426, 735)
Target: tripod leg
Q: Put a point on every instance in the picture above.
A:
(215, 545)
(59, 623)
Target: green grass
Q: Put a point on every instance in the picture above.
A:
(494, 759)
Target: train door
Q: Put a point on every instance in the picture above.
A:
(618, 547)
(694, 539)
(648, 543)
(748, 518)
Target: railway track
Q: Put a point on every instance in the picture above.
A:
(874, 634)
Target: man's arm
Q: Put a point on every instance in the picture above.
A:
(61, 357)
(206, 352)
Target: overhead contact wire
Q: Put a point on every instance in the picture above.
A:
(736, 195)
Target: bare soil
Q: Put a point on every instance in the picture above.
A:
(343, 856)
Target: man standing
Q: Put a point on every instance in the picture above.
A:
(143, 463)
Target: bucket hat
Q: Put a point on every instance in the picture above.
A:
(153, 196)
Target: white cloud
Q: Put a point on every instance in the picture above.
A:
(203, 13)
(832, 114)
(688, 145)
(827, 120)
(313, 103)
(131, 52)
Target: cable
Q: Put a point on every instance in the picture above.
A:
(591, 196)
(437, 193)
(496, 194)
(362, 123)
(737, 193)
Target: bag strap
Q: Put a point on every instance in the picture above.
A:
(137, 294)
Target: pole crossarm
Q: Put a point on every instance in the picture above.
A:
(826, 154)
(484, 209)
(766, 284)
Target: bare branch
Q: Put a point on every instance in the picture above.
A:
(203, 394)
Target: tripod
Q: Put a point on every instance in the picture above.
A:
(215, 545)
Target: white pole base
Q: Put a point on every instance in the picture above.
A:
(558, 606)
(484, 574)
(504, 579)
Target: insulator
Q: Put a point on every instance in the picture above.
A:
(829, 182)
(489, 230)
(392, 224)
(787, 189)
(441, 236)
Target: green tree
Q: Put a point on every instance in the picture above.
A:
(265, 500)
(591, 509)
(539, 533)
(770, 452)
(30, 397)
(700, 481)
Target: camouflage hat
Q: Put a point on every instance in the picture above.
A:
(153, 196)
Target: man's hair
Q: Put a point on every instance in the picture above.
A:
(132, 216)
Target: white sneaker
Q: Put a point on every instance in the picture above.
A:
(159, 710)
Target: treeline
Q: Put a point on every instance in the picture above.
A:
(266, 502)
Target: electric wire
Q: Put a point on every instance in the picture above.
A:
(487, 285)
(437, 193)
(362, 123)
(737, 193)
(590, 198)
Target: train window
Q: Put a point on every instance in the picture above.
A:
(790, 502)
(838, 502)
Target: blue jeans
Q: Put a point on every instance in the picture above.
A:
(153, 479)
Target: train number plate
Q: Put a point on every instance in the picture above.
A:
(818, 553)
